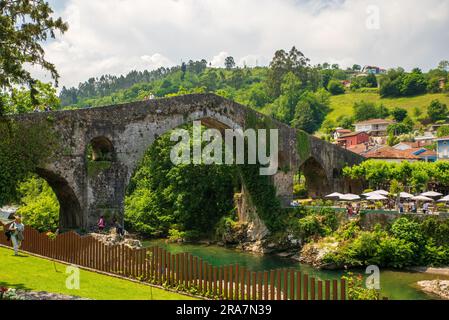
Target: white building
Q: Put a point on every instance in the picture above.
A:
(374, 127)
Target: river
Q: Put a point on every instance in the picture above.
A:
(396, 285)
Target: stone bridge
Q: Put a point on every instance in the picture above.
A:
(118, 136)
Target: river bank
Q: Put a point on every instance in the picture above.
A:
(395, 284)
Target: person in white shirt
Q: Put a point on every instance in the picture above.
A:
(17, 229)
(426, 208)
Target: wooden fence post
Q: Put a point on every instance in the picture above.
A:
(265, 285)
(312, 289)
(343, 289)
(335, 290)
(306, 287)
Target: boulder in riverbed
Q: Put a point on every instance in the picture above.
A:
(439, 288)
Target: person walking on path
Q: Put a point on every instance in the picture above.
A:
(17, 228)
(101, 224)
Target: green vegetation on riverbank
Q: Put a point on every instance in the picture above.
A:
(407, 241)
(36, 274)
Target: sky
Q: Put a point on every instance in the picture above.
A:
(117, 36)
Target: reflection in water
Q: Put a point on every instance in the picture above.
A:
(395, 285)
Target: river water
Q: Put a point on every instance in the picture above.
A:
(396, 285)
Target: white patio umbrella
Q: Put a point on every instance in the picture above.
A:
(422, 198)
(431, 194)
(382, 192)
(376, 197)
(444, 199)
(369, 194)
(349, 197)
(334, 195)
(405, 195)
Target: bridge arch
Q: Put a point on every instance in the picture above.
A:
(317, 181)
(70, 212)
(100, 148)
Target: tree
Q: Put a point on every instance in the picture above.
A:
(345, 122)
(398, 129)
(311, 110)
(24, 26)
(304, 118)
(414, 83)
(443, 131)
(437, 111)
(284, 106)
(371, 81)
(335, 87)
(20, 101)
(229, 63)
(368, 110)
(283, 63)
(399, 114)
(183, 70)
(356, 67)
(444, 65)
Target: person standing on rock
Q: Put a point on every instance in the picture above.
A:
(101, 224)
(17, 228)
(118, 227)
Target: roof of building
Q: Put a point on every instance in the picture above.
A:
(428, 153)
(375, 121)
(352, 134)
(340, 130)
(358, 148)
(388, 152)
(442, 138)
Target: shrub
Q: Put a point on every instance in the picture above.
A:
(335, 87)
(356, 290)
(395, 253)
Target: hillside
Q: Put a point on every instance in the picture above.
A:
(343, 104)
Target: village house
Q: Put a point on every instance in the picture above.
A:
(352, 139)
(405, 145)
(443, 148)
(425, 140)
(374, 127)
(373, 70)
(346, 83)
(426, 155)
(339, 132)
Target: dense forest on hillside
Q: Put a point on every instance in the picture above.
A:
(289, 89)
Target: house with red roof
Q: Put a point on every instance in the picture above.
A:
(352, 139)
(390, 154)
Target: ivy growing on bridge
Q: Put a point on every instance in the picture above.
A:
(23, 147)
(261, 189)
(303, 145)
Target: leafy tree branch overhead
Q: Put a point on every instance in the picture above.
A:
(24, 25)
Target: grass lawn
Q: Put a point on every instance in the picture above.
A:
(343, 104)
(31, 273)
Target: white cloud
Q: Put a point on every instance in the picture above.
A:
(115, 36)
(219, 60)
